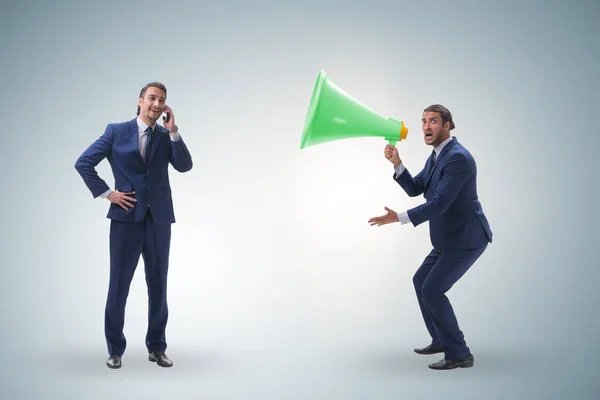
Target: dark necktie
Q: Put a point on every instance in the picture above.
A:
(432, 161)
(149, 135)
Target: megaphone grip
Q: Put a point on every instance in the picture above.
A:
(392, 142)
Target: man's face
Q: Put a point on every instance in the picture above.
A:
(152, 104)
(433, 130)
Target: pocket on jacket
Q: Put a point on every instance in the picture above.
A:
(125, 188)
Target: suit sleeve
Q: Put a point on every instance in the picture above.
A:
(455, 173)
(181, 159)
(412, 186)
(90, 158)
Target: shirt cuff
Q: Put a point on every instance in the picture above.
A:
(404, 218)
(400, 169)
(175, 137)
(105, 194)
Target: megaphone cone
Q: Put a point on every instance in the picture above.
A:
(334, 115)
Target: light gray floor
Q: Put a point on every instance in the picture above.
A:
(385, 372)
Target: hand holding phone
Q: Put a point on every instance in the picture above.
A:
(169, 119)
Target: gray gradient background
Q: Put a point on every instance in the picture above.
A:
(279, 289)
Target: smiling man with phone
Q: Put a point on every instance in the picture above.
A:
(141, 211)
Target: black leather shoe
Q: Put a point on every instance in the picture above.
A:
(466, 362)
(160, 358)
(113, 362)
(431, 349)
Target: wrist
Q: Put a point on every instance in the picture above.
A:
(173, 130)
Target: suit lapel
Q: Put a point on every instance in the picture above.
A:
(439, 159)
(134, 138)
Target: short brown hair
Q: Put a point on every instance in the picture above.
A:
(444, 113)
(157, 85)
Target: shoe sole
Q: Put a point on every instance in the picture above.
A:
(466, 365)
(154, 360)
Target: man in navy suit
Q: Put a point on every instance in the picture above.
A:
(141, 211)
(459, 231)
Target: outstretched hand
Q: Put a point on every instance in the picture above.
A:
(390, 217)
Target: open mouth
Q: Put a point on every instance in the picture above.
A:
(429, 135)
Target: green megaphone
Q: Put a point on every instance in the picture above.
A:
(334, 115)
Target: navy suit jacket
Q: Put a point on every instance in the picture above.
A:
(456, 219)
(119, 145)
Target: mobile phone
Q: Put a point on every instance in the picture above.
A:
(167, 117)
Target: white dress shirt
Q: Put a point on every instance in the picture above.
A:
(142, 126)
(403, 216)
